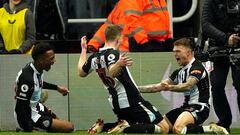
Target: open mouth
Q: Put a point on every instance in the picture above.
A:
(177, 59)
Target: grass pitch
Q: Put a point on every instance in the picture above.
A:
(234, 131)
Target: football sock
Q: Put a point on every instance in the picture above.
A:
(140, 128)
(108, 126)
(206, 129)
(192, 128)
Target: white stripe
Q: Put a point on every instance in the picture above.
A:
(21, 98)
(150, 114)
(122, 95)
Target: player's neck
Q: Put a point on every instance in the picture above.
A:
(110, 45)
(38, 66)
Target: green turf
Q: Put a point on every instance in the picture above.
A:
(234, 131)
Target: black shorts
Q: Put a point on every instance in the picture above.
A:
(199, 112)
(45, 120)
(144, 112)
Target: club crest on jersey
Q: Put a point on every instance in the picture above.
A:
(46, 123)
(24, 88)
(196, 72)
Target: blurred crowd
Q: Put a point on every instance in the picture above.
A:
(51, 16)
(51, 22)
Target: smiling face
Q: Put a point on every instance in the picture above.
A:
(47, 60)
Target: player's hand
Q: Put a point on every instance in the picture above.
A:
(165, 86)
(84, 42)
(125, 60)
(63, 90)
(233, 40)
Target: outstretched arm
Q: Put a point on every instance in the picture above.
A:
(191, 81)
(152, 88)
(83, 57)
(63, 90)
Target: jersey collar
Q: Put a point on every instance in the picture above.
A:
(34, 69)
(189, 64)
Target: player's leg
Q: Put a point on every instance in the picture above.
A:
(142, 119)
(190, 119)
(171, 117)
(184, 119)
(188, 122)
(61, 126)
(49, 124)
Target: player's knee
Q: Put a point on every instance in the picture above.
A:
(165, 129)
(69, 128)
(164, 126)
(177, 129)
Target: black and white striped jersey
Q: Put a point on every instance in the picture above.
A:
(200, 93)
(29, 84)
(122, 90)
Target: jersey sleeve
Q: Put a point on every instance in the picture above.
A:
(49, 86)
(112, 57)
(87, 66)
(24, 90)
(25, 87)
(197, 71)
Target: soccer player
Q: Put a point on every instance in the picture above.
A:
(29, 112)
(135, 115)
(191, 79)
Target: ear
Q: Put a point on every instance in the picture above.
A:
(40, 59)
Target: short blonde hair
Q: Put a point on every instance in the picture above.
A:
(112, 32)
(186, 42)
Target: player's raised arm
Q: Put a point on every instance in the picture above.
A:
(83, 57)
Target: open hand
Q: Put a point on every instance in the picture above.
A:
(125, 60)
(84, 42)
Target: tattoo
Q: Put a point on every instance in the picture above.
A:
(191, 81)
(149, 88)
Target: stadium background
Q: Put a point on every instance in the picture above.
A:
(87, 100)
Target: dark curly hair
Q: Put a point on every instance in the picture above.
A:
(40, 48)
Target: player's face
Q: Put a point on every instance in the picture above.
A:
(181, 54)
(48, 60)
(15, 2)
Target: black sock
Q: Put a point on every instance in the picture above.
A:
(140, 128)
(192, 128)
(108, 126)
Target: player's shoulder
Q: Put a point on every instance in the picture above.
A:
(197, 64)
(28, 69)
(26, 73)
